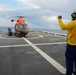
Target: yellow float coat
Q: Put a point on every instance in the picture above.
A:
(71, 31)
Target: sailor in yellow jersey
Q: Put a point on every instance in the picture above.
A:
(70, 53)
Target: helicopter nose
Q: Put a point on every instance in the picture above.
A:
(22, 32)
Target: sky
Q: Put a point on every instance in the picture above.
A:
(41, 13)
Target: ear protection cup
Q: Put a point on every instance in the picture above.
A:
(73, 15)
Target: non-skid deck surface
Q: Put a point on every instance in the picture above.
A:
(39, 53)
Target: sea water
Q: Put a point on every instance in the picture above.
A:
(50, 30)
(38, 29)
(5, 29)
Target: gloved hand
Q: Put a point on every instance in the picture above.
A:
(59, 17)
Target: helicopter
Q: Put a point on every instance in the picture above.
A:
(21, 28)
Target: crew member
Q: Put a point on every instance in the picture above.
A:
(70, 53)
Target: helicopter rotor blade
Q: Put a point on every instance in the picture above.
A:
(23, 16)
(41, 17)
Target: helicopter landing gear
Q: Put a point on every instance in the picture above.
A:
(23, 35)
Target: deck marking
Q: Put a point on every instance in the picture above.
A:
(14, 46)
(20, 38)
(51, 43)
(36, 37)
(47, 57)
(34, 44)
(10, 38)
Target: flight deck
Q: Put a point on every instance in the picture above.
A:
(39, 53)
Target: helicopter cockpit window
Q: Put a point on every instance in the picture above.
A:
(25, 25)
(22, 26)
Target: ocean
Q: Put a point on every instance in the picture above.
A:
(37, 29)
(50, 30)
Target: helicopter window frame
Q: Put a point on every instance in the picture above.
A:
(22, 26)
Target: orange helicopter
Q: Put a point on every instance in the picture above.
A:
(21, 28)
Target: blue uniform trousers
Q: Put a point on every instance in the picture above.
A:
(70, 55)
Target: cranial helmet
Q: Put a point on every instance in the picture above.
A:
(73, 15)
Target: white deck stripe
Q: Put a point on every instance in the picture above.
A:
(47, 57)
(14, 46)
(29, 45)
(20, 38)
(36, 37)
(10, 38)
(51, 43)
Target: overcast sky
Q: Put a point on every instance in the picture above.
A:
(44, 11)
